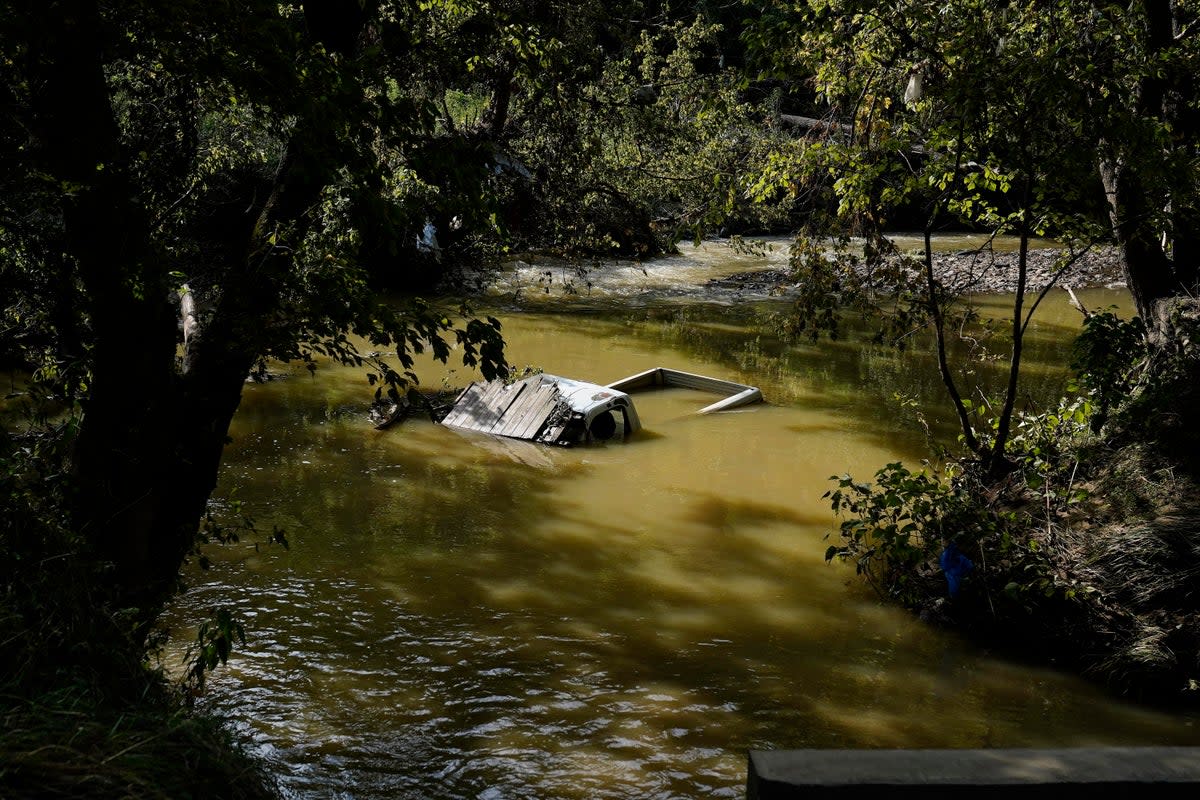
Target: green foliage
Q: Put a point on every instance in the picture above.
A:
(84, 713)
(870, 277)
(954, 108)
(53, 620)
(950, 113)
(1105, 356)
(201, 135)
(228, 525)
(241, 175)
(224, 172)
(213, 645)
(1165, 387)
(647, 146)
(895, 530)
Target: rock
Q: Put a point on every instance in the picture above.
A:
(976, 272)
(996, 273)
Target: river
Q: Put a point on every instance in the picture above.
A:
(460, 616)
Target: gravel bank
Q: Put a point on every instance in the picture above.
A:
(974, 272)
(996, 273)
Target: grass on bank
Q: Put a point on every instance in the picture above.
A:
(81, 713)
(70, 743)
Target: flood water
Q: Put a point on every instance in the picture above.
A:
(460, 616)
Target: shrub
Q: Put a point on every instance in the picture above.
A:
(908, 533)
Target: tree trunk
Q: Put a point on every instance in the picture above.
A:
(1146, 266)
(1158, 237)
(149, 446)
(124, 444)
(234, 334)
(939, 329)
(495, 116)
(997, 464)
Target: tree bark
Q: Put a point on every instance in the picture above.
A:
(495, 116)
(148, 451)
(1146, 266)
(236, 332)
(997, 464)
(1158, 237)
(124, 445)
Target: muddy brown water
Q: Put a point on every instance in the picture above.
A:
(460, 616)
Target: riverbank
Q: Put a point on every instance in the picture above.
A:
(84, 713)
(1082, 554)
(979, 272)
(71, 741)
(989, 272)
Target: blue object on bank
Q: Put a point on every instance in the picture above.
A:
(956, 566)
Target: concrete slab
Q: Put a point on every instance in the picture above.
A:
(1155, 772)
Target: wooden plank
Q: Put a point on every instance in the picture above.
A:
(477, 412)
(528, 413)
(510, 395)
(458, 416)
(479, 407)
(489, 415)
(554, 405)
(515, 419)
(547, 398)
(481, 411)
(452, 415)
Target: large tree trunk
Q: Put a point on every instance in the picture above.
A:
(1146, 266)
(124, 444)
(1153, 220)
(151, 436)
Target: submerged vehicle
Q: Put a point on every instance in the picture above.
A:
(556, 410)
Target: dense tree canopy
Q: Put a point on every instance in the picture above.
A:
(212, 165)
(1075, 120)
(1030, 119)
(192, 190)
